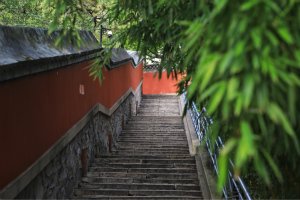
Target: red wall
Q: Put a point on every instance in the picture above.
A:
(164, 85)
(35, 111)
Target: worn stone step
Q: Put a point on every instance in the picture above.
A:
(137, 149)
(154, 140)
(151, 160)
(141, 149)
(153, 136)
(174, 142)
(143, 175)
(145, 157)
(146, 133)
(134, 197)
(134, 165)
(142, 170)
(158, 126)
(192, 181)
(140, 143)
(151, 120)
(162, 102)
(175, 129)
(158, 96)
(154, 131)
(150, 153)
(149, 139)
(113, 192)
(183, 146)
(157, 114)
(135, 186)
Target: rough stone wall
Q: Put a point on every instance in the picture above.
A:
(62, 175)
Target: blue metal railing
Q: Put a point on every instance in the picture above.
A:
(234, 188)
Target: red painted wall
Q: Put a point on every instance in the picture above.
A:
(164, 85)
(35, 111)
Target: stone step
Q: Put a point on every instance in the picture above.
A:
(135, 186)
(150, 146)
(150, 153)
(143, 175)
(159, 108)
(134, 197)
(142, 161)
(144, 157)
(175, 129)
(164, 96)
(153, 150)
(152, 143)
(138, 166)
(193, 181)
(162, 125)
(164, 102)
(150, 119)
(137, 149)
(149, 123)
(114, 192)
(156, 131)
(152, 132)
(154, 137)
(142, 170)
(157, 114)
(151, 139)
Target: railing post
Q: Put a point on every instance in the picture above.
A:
(83, 162)
(122, 122)
(137, 105)
(130, 110)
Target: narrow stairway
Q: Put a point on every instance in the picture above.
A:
(151, 159)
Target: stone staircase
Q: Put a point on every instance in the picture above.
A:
(150, 161)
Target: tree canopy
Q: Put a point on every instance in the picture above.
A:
(241, 60)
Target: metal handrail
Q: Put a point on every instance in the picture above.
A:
(235, 188)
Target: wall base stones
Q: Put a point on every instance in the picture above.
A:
(62, 175)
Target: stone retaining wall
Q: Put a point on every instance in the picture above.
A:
(62, 175)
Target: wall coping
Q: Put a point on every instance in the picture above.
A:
(26, 51)
(17, 185)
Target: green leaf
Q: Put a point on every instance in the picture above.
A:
(272, 37)
(238, 105)
(248, 89)
(255, 61)
(210, 69)
(285, 34)
(239, 47)
(247, 138)
(230, 144)
(233, 85)
(261, 169)
(276, 114)
(209, 91)
(216, 98)
(249, 4)
(295, 78)
(256, 38)
(272, 164)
